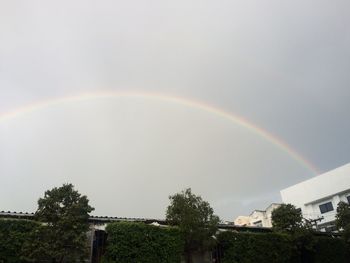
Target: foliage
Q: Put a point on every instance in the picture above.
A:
(62, 237)
(278, 247)
(343, 222)
(286, 218)
(138, 242)
(346, 235)
(196, 220)
(330, 250)
(343, 215)
(13, 234)
(255, 247)
(304, 242)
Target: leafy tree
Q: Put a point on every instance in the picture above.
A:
(343, 220)
(286, 218)
(343, 215)
(63, 235)
(195, 219)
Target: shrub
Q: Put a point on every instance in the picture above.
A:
(280, 247)
(138, 242)
(255, 247)
(330, 250)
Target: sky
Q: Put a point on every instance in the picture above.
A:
(87, 94)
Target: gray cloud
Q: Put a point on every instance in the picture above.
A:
(282, 65)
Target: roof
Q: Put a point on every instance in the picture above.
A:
(99, 220)
(92, 219)
(264, 211)
(108, 219)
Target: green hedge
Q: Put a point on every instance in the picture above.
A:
(254, 247)
(13, 234)
(138, 242)
(331, 250)
(277, 247)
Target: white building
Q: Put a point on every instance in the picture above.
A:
(258, 218)
(318, 197)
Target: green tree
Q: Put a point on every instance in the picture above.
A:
(343, 220)
(62, 236)
(286, 218)
(343, 215)
(195, 219)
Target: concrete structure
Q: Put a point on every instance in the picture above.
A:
(258, 218)
(318, 197)
(242, 221)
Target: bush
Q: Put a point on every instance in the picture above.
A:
(13, 234)
(255, 247)
(279, 247)
(138, 242)
(330, 250)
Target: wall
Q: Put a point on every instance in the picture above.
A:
(333, 186)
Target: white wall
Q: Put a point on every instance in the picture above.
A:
(332, 186)
(258, 215)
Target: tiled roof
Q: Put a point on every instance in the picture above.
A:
(92, 219)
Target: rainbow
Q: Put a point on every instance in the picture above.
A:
(238, 120)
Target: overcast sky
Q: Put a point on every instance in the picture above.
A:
(282, 65)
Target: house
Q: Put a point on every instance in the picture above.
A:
(319, 196)
(258, 218)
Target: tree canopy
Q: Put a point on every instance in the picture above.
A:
(343, 215)
(63, 235)
(343, 220)
(287, 218)
(196, 220)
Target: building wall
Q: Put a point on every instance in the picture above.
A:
(258, 218)
(268, 222)
(333, 187)
(242, 221)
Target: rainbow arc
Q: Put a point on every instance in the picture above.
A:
(238, 120)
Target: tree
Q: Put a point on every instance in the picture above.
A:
(195, 219)
(62, 236)
(343, 215)
(286, 218)
(343, 220)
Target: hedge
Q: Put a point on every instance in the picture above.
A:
(254, 247)
(13, 234)
(277, 247)
(331, 250)
(138, 242)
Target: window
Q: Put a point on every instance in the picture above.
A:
(258, 223)
(348, 197)
(324, 208)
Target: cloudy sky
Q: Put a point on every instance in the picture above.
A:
(281, 65)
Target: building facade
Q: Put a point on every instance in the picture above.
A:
(318, 197)
(258, 218)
